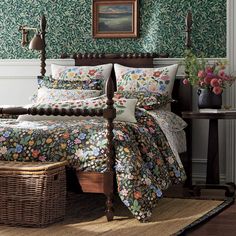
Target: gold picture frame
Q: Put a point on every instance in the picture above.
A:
(115, 18)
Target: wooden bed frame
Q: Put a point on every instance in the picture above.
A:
(104, 182)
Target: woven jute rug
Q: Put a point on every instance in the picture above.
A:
(85, 217)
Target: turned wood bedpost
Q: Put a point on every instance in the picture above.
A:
(110, 114)
(43, 24)
(188, 130)
(188, 22)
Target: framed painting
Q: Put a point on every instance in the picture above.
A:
(115, 18)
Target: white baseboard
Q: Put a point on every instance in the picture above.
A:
(202, 178)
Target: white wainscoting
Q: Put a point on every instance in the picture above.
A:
(18, 78)
(18, 82)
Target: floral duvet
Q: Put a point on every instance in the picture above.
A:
(145, 163)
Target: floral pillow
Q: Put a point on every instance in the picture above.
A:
(51, 83)
(157, 80)
(46, 95)
(81, 73)
(146, 100)
(125, 108)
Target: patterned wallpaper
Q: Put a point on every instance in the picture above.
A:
(69, 27)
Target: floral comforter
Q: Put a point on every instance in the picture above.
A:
(145, 163)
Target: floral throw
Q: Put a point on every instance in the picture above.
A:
(145, 164)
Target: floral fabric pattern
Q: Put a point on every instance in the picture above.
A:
(50, 83)
(125, 108)
(83, 73)
(146, 100)
(145, 165)
(155, 80)
(46, 95)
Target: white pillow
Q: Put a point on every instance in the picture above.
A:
(46, 95)
(81, 72)
(157, 80)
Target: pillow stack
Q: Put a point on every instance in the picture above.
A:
(73, 83)
(151, 86)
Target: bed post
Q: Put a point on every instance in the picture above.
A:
(43, 24)
(110, 114)
(188, 23)
(188, 45)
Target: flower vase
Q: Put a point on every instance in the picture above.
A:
(208, 99)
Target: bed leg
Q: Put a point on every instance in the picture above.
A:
(109, 207)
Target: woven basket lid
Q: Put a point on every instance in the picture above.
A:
(30, 166)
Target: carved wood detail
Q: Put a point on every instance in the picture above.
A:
(43, 24)
(188, 30)
(51, 111)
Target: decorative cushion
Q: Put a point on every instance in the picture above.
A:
(82, 73)
(125, 108)
(49, 82)
(46, 95)
(146, 100)
(157, 80)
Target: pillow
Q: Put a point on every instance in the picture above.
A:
(82, 73)
(146, 100)
(125, 108)
(46, 95)
(49, 82)
(158, 80)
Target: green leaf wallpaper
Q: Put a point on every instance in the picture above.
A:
(69, 27)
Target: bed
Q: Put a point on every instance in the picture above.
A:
(133, 158)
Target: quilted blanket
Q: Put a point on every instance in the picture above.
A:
(145, 163)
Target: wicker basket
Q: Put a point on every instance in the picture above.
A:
(32, 193)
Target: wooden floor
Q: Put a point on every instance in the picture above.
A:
(223, 224)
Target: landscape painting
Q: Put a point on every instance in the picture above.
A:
(114, 19)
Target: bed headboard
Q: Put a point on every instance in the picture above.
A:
(181, 93)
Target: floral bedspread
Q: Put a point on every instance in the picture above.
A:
(145, 163)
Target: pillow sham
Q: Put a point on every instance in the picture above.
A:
(82, 73)
(146, 100)
(125, 108)
(46, 95)
(49, 82)
(158, 80)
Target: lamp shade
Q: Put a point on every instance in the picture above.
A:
(36, 43)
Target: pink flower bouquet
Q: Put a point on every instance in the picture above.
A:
(205, 76)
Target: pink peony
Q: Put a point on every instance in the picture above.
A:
(201, 74)
(209, 69)
(217, 90)
(185, 81)
(221, 73)
(215, 83)
(207, 80)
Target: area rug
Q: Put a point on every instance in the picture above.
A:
(85, 217)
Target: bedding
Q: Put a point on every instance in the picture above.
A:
(145, 163)
(125, 108)
(51, 83)
(46, 95)
(146, 100)
(154, 80)
(71, 73)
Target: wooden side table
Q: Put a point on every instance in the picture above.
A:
(213, 173)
